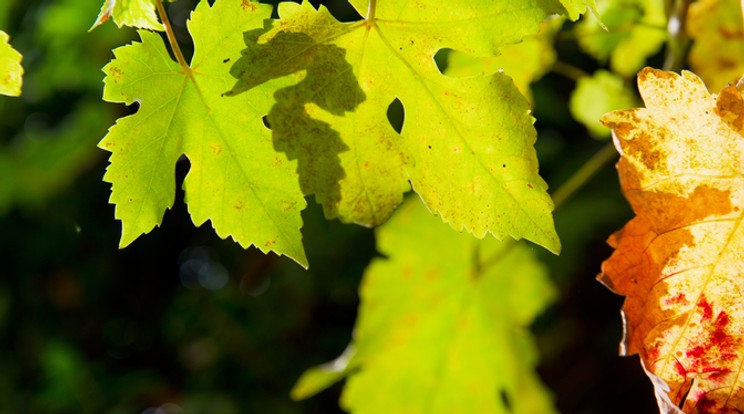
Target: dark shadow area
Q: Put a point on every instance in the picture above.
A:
(329, 83)
(342, 10)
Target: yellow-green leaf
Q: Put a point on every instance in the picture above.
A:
(134, 13)
(596, 95)
(525, 62)
(11, 71)
(443, 329)
(466, 145)
(576, 8)
(236, 179)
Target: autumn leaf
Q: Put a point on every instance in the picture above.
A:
(236, 178)
(442, 329)
(11, 71)
(349, 156)
(680, 261)
(717, 31)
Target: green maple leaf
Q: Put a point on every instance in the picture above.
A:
(134, 13)
(444, 328)
(466, 146)
(11, 71)
(596, 95)
(236, 180)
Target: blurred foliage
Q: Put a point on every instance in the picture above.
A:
(183, 322)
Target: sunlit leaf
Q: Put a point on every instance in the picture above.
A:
(443, 329)
(525, 62)
(134, 13)
(11, 71)
(679, 261)
(236, 179)
(350, 156)
(576, 8)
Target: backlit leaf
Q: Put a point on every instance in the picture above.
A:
(680, 261)
(443, 329)
(525, 62)
(596, 95)
(576, 8)
(717, 52)
(636, 29)
(11, 71)
(236, 179)
(349, 155)
(134, 13)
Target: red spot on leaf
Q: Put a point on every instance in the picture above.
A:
(705, 308)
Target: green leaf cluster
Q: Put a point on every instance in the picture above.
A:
(324, 88)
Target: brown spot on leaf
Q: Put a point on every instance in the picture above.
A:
(730, 107)
(115, 74)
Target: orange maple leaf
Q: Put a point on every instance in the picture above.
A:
(680, 261)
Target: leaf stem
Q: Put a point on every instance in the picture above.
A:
(569, 71)
(678, 39)
(372, 9)
(584, 174)
(172, 37)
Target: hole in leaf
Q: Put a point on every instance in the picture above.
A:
(396, 115)
(506, 400)
(343, 11)
(265, 120)
(441, 59)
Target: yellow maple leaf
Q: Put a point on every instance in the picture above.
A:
(717, 31)
(680, 261)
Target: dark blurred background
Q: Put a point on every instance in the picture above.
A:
(184, 322)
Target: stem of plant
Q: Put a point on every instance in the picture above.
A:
(584, 174)
(172, 37)
(678, 39)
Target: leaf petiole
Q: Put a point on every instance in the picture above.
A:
(172, 37)
(584, 174)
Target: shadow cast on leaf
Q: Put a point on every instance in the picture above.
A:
(329, 84)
